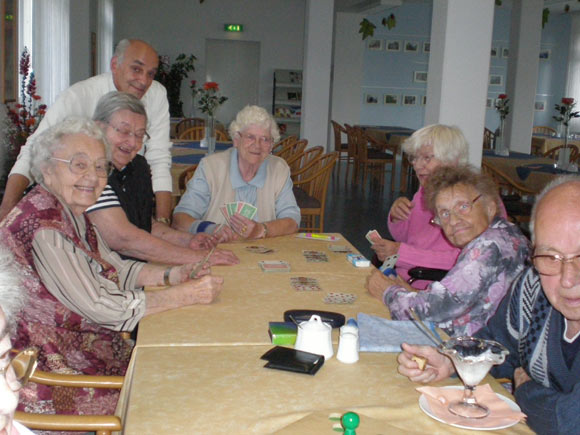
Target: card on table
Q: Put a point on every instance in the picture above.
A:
(274, 266)
(304, 284)
(259, 249)
(315, 256)
(340, 248)
(373, 236)
(339, 298)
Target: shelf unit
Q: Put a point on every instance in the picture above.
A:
(287, 100)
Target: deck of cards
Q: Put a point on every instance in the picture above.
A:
(304, 284)
(343, 249)
(259, 249)
(315, 256)
(240, 207)
(274, 266)
(373, 236)
(339, 298)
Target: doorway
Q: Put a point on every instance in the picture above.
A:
(235, 66)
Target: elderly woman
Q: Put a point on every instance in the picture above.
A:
(417, 242)
(80, 293)
(245, 173)
(124, 212)
(465, 205)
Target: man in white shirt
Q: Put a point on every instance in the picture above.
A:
(133, 68)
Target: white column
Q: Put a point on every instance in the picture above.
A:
(316, 72)
(522, 72)
(461, 34)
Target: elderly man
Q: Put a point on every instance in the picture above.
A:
(123, 213)
(133, 68)
(538, 321)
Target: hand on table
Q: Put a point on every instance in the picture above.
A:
(201, 241)
(223, 257)
(180, 274)
(438, 367)
(401, 209)
(201, 291)
(520, 377)
(377, 283)
(385, 248)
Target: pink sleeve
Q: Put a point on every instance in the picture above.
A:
(412, 256)
(399, 230)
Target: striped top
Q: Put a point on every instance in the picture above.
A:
(107, 199)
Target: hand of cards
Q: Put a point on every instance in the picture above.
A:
(240, 207)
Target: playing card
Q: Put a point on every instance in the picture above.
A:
(373, 236)
(340, 248)
(232, 208)
(274, 266)
(304, 284)
(390, 262)
(224, 211)
(339, 298)
(258, 249)
(315, 256)
(248, 210)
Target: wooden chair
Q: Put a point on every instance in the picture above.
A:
(186, 123)
(340, 146)
(488, 138)
(553, 153)
(101, 424)
(184, 177)
(372, 160)
(278, 146)
(352, 141)
(542, 129)
(198, 133)
(292, 149)
(303, 159)
(310, 193)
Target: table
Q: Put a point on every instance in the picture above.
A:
(198, 369)
(542, 143)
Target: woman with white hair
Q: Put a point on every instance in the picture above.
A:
(417, 241)
(248, 173)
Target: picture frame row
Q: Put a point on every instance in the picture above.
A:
(504, 52)
(539, 105)
(394, 45)
(396, 99)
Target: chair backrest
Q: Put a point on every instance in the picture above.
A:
(186, 123)
(543, 129)
(185, 176)
(553, 153)
(505, 185)
(488, 138)
(192, 133)
(352, 140)
(338, 131)
(278, 146)
(316, 184)
(361, 144)
(303, 159)
(292, 149)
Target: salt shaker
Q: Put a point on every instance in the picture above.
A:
(348, 343)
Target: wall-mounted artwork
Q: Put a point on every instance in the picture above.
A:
(391, 99)
(540, 106)
(427, 47)
(494, 52)
(424, 100)
(489, 103)
(409, 100)
(545, 54)
(393, 45)
(420, 76)
(495, 80)
(411, 46)
(375, 44)
(505, 52)
(371, 99)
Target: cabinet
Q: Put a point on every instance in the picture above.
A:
(287, 100)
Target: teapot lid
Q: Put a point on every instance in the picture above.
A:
(315, 324)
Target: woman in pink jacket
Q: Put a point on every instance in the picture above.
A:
(417, 241)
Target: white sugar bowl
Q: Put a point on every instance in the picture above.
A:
(315, 336)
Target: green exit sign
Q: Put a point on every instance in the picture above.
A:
(233, 27)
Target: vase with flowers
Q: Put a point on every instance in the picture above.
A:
(565, 112)
(209, 101)
(25, 115)
(503, 108)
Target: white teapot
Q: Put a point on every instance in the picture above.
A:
(315, 336)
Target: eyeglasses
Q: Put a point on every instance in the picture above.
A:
(553, 264)
(126, 133)
(80, 163)
(460, 209)
(23, 365)
(416, 159)
(250, 138)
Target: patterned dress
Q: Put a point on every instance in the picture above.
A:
(463, 301)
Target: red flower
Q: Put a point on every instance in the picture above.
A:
(37, 97)
(30, 122)
(193, 82)
(568, 101)
(211, 85)
(502, 96)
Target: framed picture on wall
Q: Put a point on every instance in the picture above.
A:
(375, 44)
(494, 52)
(409, 100)
(505, 52)
(420, 76)
(540, 106)
(489, 103)
(393, 45)
(545, 54)
(424, 100)
(427, 47)
(371, 99)
(390, 99)
(495, 80)
(411, 46)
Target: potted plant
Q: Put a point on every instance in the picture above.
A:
(171, 75)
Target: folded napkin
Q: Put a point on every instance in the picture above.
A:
(382, 335)
(500, 412)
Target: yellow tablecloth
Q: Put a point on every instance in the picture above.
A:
(535, 181)
(541, 144)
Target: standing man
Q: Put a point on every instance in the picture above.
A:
(133, 68)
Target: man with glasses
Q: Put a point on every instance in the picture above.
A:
(133, 67)
(538, 321)
(124, 211)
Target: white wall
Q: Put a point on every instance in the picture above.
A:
(182, 26)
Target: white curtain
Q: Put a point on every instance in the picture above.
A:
(573, 81)
(105, 35)
(51, 47)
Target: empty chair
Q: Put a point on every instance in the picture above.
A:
(373, 161)
(488, 138)
(185, 176)
(340, 146)
(278, 146)
(352, 141)
(554, 152)
(542, 129)
(303, 159)
(292, 149)
(198, 133)
(186, 123)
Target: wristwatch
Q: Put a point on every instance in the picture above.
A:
(163, 220)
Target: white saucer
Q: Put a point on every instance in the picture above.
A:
(424, 405)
